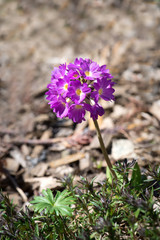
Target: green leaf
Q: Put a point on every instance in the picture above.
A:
(109, 175)
(137, 212)
(119, 176)
(60, 204)
(136, 178)
(37, 229)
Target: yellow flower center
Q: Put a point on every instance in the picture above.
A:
(75, 75)
(100, 91)
(66, 86)
(78, 92)
(78, 106)
(87, 73)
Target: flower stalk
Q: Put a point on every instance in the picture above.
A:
(104, 149)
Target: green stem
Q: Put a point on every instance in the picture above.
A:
(104, 149)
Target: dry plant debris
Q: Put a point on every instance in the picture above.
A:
(34, 36)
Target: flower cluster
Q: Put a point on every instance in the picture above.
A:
(76, 88)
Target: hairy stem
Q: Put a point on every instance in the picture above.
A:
(104, 149)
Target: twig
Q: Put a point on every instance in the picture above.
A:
(7, 131)
(36, 141)
(66, 160)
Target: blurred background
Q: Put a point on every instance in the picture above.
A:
(37, 35)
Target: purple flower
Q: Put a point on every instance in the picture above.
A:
(76, 112)
(62, 86)
(90, 70)
(52, 93)
(59, 72)
(76, 88)
(76, 63)
(78, 91)
(103, 89)
(95, 110)
(60, 107)
(105, 72)
(73, 74)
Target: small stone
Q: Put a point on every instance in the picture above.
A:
(122, 148)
